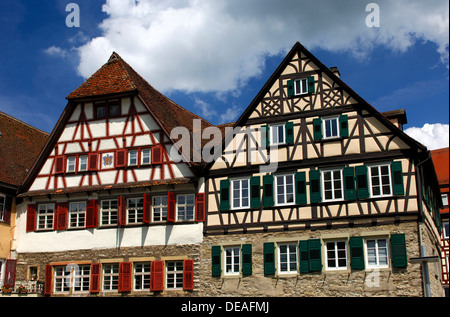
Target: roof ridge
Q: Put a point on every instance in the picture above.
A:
(24, 123)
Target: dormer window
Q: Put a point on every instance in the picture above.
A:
(107, 109)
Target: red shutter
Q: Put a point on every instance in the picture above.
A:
(157, 276)
(95, 278)
(125, 277)
(188, 275)
(8, 207)
(31, 218)
(121, 158)
(10, 273)
(61, 216)
(93, 162)
(92, 214)
(122, 211)
(200, 207)
(171, 214)
(157, 154)
(48, 280)
(59, 165)
(147, 209)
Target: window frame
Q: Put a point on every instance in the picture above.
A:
(280, 127)
(2, 207)
(177, 280)
(46, 215)
(78, 212)
(149, 156)
(333, 189)
(186, 205)
(137, 211)
(377, 255)
(109, 213)
(303, 84)
(285, 194)
(112, 276)
(380, 179)
(133, 155)
(144, 274)
(71, 163)
(445, 229)
(336, 258)
(161, 206)
(241, 196)
(232, 257)
(289, 262)
(324, 127)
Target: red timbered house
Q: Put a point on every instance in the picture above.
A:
(111, 207)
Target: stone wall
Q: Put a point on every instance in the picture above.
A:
(348, 283)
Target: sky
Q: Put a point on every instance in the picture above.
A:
(213, 57)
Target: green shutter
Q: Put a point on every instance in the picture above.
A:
(343, 123)
(362, 184)
(304, 257)
(255, 187)
(269, 258)
(397, 177)
(349, 183)
(398, 251)
(289, 132)
(247, 259)
(357, 253)
(225, 195)
(216, 258)
(317, 123)
(300, 188)
(314, 187)
(290, 88)
(311, 85)
(315, 255)
(268, 191)
(265, 136)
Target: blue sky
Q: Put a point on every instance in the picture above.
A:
(212, 57)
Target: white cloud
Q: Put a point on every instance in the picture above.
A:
(433, 136)
(217, 46)
(56, 51)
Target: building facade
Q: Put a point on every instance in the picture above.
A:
(110, 209)
(318, 194)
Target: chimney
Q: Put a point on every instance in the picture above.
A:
(335, 71)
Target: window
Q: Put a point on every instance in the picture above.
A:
(100, 111)
(380, 180)
(332, 185)
(133, 157)
(159, 206)
(284, 189)
(46, 213)
(185, 207)
(174, 275)
(114, 109)
(2, 207)
(109, 212)
(277, 134)
(445, 231)
(301, 86)
(146, 156)
(110, 277)
(71, 164)
(331, 127)
(81, 280)
(83, 163)
(77, 215)
(336, 255)
(135, 208)
(142, 276)
(377, 253)
(240, 193)
(232, 260)
(61, 279)
(107, 109)
(287, 258)
(445, 200)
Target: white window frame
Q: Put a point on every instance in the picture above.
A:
(71, 164)
(333, 189)
(377, 250)
(301, 86)
(142, 270)
(79, 214)
(146, 156)
(276, 128)
(288, 262)
(285, 192)
(61, 277)
(336, 256)
(81, 278)
(444, 200)
(445, 229)
(325, 122)
(108, 212)
(232, 258)
(174, 276)
(133, 157)
(241, 197)
(2, 207)
(46, 215)
(83, 163)
(380, 179)
(160, 209)
(110, 274)
(186, 205)
(135, 212)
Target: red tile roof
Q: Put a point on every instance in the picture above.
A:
(441, 162)
(20, 145)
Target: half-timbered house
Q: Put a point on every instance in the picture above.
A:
(316, 193)
(109, 208)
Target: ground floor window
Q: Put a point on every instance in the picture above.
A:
(174, 275)
(110, 277)
(142, 276)
(377, 253)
